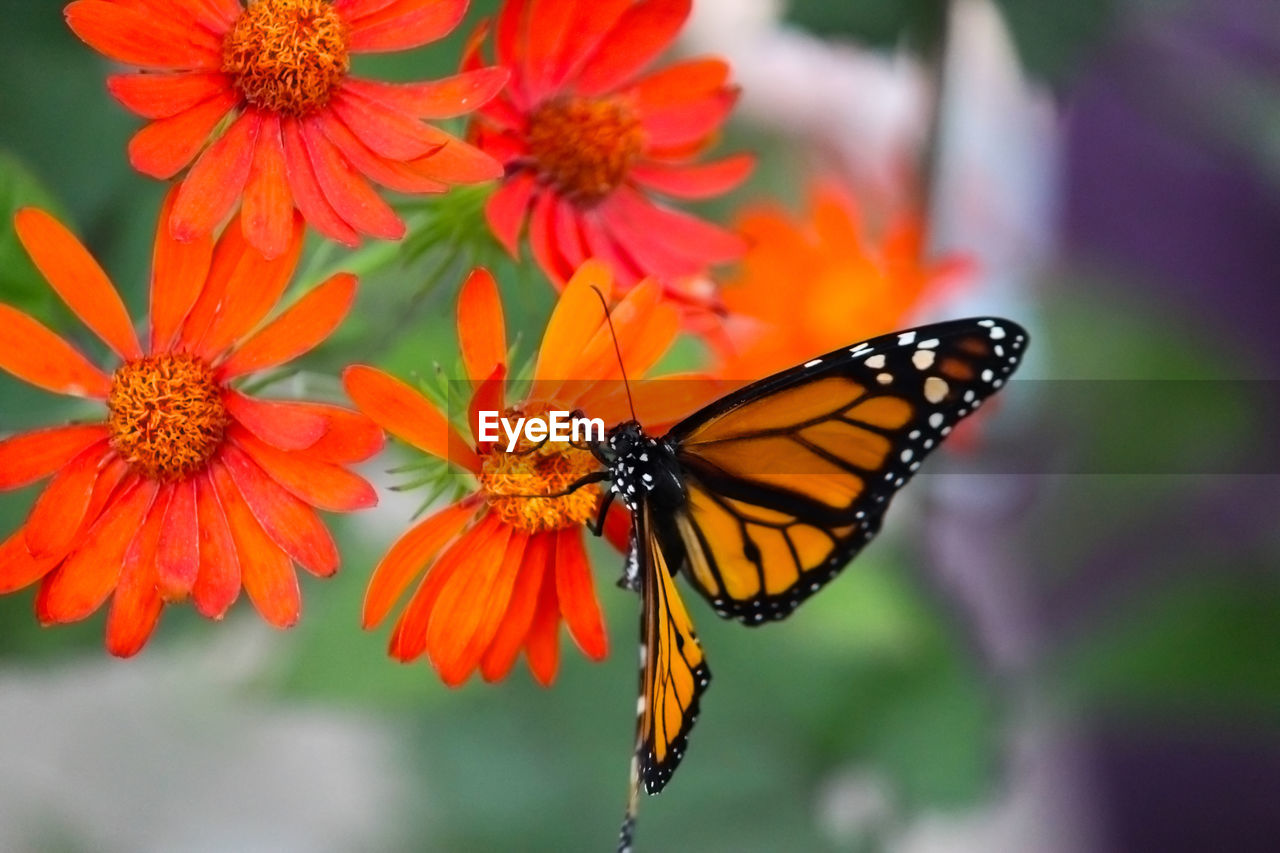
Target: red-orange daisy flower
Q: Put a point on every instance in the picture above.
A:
(846, 284)
(188, 488)
(587, 142)
(502, 569)
(261, 99)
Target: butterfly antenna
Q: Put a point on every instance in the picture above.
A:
(604, 303)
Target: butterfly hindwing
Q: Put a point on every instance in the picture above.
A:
(790, 476)
(673, 671)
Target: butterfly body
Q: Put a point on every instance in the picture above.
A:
(764, 496)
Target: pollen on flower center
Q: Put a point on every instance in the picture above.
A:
(549, 468)
(585, 147)
(287, 55)
(167, 417)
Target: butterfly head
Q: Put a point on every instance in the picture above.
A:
(643, 467)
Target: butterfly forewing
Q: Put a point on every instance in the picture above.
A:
(789, 477)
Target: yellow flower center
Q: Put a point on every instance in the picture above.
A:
(585, 147)
(287, 55)
(538, 469)
(166, 417)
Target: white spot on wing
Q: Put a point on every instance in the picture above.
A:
(813, 363)
(906, 338)
(935, 389)
(923, 359)
(875, 362)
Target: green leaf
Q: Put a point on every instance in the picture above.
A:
(21, 284)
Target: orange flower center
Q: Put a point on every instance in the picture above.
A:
(166, 417)
(538, 469)
(585, 147)
(287, 55)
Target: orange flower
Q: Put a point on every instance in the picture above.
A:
(261, 99)
(586, 142)
(188, 488)
(503, 569)
(812, 284)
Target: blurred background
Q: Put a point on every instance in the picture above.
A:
(1068, 637)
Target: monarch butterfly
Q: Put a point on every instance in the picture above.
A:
(762, 497)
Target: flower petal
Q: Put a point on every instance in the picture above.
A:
(267, 211)
(489, 396)
(351, 437)
(536, 571)
(55, 518)
(320, 484)
(134, 37)
(78, 279)
(217, 180)
(392, 174)
(18, 569)
(177, 556)
(542, 240)
(405, 24)
(494, 603)
(242, 288)
(450, 97)
(31, 456)
(481, 328)
(289, 522)
(408, 556)
(688, 124)
(565, 226)
(600, 244)
(679, 84)
(157, 96)
(352, 10)
(179, 271)
(409, 639)
(265, 570)
(577, 595)
(643, 31)
(679, 233)
(459, 162)
(577, 313)
(218, 579)
(542, 643)
(406, 414)
(347, 191)
(705, 180)
(506, 209)
(386, 130)
(543, 46)
(461, 607)
(88, 576)
(301, 328)
(136, 604)
(306, 191)
(286, 425)
(163, 148)
(592, 23)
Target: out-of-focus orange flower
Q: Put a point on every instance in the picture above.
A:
(813, 283)
(500, 569)
(261, 99)
(189, 489)
(587, 142)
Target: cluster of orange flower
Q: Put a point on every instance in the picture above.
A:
(189, 489)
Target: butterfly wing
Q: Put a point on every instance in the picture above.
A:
(673, 671)
(790, 476)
